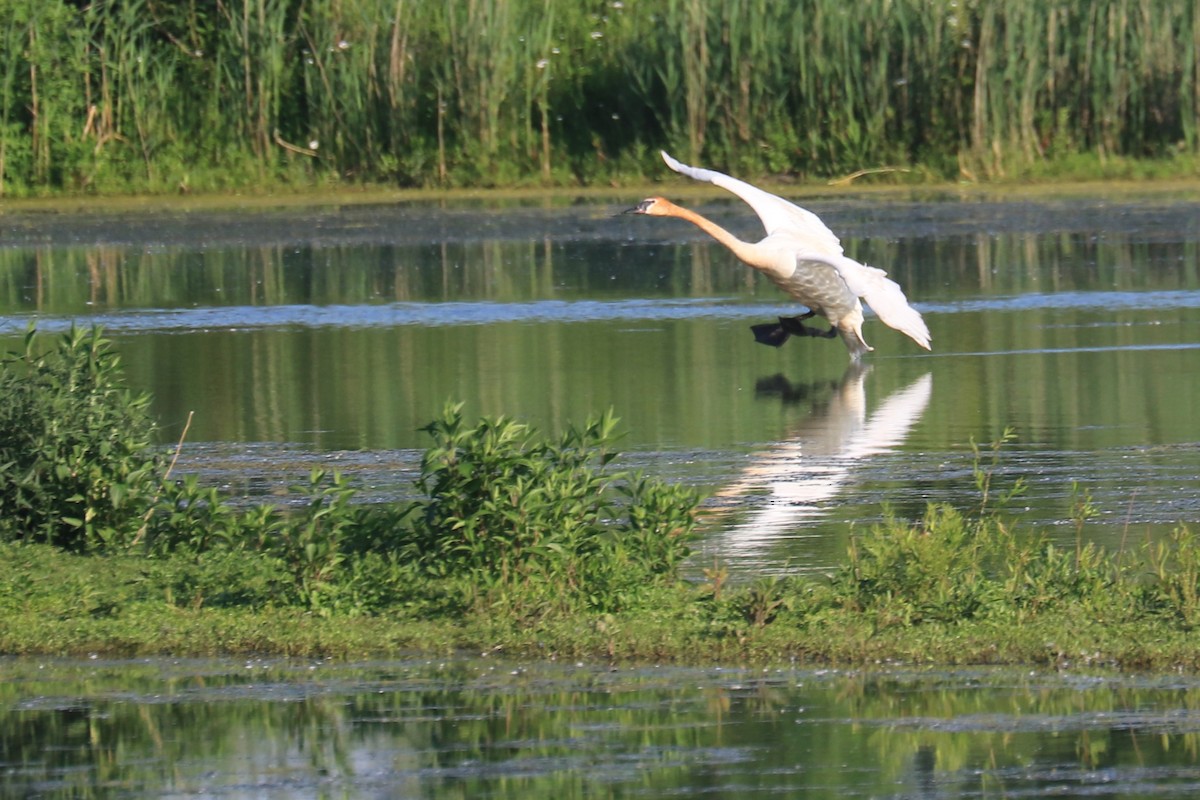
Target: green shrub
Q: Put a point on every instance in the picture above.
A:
(934, 570)
(195, 519)
(507, 517)
(77, 469)
(326, 555)
(507, 509)
(309, 541)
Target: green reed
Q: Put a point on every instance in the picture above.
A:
(140, 94)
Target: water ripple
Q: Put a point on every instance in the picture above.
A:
(544, 311)
(1084, 301)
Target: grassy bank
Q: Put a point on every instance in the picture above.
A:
(519, 545)
(119, 96)
(682, 625)
(1161, 180)
(53, 603)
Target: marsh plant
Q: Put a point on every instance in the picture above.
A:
(115, 95)
(77, 469)
(508, 509)
(507, 520)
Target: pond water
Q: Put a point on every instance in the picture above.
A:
(329, 336)
(484, 729)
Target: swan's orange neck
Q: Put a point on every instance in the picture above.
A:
(747, 252)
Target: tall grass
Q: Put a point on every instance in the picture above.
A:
(142, 94)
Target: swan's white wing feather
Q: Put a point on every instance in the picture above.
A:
(881, 293)
(777, 215)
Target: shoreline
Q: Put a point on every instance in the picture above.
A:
(311, 197)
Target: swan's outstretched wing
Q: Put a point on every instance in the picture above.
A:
(881, 293)
(813, 241)
(778, 215)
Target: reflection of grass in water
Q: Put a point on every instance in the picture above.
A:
(543, 726)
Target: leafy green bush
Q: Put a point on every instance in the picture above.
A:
(507, 509)
(326, 555)
(77, 469)
(1175, 566)
(507, 517)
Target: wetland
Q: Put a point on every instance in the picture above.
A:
(328, 337)
(331, 335)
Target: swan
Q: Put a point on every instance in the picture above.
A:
(803, 258)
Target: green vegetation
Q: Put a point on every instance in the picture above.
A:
(535, 547)
(77, 468)
(144, 95)
(511, 523)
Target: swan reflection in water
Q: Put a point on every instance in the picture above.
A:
(790, 483)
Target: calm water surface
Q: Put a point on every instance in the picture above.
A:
(481, 729)
(330, 336)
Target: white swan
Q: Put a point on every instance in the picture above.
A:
(803, 258)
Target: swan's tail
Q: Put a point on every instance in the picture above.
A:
(885, 297)
(855, 343)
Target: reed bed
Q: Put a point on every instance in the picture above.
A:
(142, 95)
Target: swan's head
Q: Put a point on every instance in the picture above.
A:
(652, 206)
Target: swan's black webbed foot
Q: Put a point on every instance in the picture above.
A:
(771, 334)
(776, 334)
